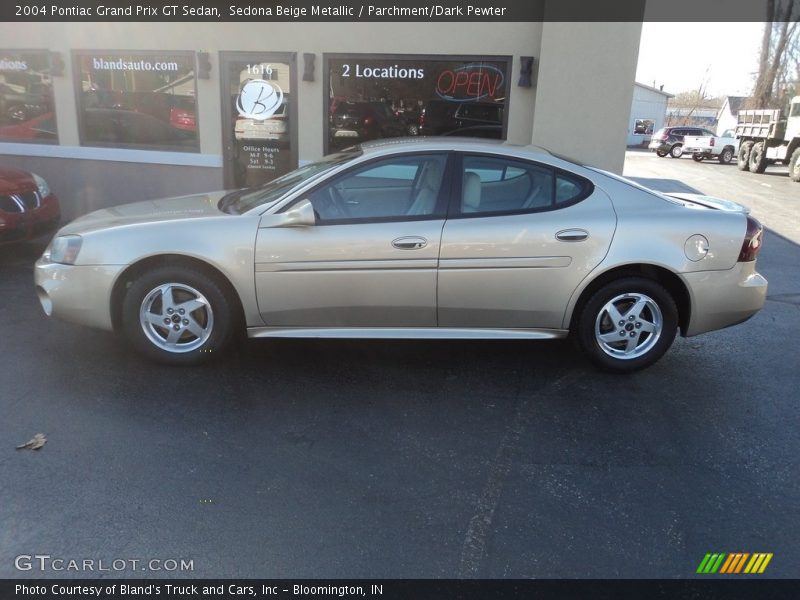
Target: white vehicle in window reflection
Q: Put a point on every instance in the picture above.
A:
(416, 238)
(275, 128)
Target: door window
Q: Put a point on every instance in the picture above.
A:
(492, 186)
(400, 188)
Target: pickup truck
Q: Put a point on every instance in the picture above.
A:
(722, 147)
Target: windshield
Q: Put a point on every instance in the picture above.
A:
(241, 201)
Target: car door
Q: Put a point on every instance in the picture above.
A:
(519, 239)
(369, 260)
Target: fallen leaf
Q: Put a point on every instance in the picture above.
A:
(34, 443)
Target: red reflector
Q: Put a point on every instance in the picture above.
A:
(753, 238)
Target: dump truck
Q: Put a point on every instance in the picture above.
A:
(766, 137)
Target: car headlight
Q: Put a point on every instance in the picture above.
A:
(64, 249)
(41, 184)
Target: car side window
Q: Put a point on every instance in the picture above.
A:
(502, 186)
(395, 188)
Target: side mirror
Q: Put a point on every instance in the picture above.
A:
(300, 215)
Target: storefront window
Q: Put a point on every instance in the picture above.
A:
(137, 100)
(26, 97)
(374, 98)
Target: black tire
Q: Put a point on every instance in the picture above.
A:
(726, 156)
(697, 157)
(794, 165)
(758, 158)
(218, 326)
(743, 158)
(651, 350)
(676, 151)
(660, 154)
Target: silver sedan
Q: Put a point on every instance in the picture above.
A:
(419, 238)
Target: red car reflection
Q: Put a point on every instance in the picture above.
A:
(27, 206)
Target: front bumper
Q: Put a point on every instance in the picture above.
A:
(77, 293)
(19, 227)
(724, 298)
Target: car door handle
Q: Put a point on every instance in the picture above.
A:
(409, 243)
(572, 235)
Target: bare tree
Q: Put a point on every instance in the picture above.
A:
(779, 54)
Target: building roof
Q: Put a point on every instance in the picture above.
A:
(652, 89)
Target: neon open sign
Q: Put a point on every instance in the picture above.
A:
(470, 83)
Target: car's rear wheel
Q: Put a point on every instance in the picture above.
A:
(628, 324)
(726, 156)
(743, 158)
(660, 154)
(697, 157)
(177, 315)
(676, 151)
(758, 158)
(794, 165)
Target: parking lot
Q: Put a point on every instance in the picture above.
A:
(414, 459)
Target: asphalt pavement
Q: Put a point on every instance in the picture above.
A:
(414, 459)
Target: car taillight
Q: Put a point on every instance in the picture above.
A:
(664, 137)
(712, 142)
(753, 239)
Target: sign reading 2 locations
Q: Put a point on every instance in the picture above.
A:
(391, 96)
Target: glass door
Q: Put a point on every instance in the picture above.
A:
(258, 116)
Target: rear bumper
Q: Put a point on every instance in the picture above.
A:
(659, 146)
(698, 150)
(724, 298)
(81, 294)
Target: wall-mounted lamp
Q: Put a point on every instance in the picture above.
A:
(203, 65)
(526, 66)
(56, 64)
(308, 66)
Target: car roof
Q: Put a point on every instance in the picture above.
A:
(463, 144)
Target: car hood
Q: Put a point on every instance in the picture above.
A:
(149, 211)
(711, 202)
(14, 180)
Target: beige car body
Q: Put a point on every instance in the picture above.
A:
(481, 277)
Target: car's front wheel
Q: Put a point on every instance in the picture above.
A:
(697, 157)
(726, 156)
(177, 315)
(628, 324)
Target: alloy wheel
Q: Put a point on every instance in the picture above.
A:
(176, 317)
(628, 326)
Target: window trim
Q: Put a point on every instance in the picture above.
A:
(456, 182)
(77, 84)
(442, 202)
